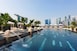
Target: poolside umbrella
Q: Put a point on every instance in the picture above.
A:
(20, 23)
(9, 22)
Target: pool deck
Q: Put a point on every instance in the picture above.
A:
(69, 29)
(13, 38)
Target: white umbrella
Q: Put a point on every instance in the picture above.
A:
(9, 22)
(19, 23)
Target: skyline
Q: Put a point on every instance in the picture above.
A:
(40, 9)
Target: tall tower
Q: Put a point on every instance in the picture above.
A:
(59, 20)
(65, 18)
(74, 19)
(47, 22)
(66, 21)
(69, 20)
(19, 17)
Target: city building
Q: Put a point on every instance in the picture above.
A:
(58, 21)
(47, 23)
(67, 21)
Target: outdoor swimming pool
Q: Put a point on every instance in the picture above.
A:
(47, 40)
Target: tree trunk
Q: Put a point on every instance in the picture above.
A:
(72, 29)
(76, 29)
(2, 27)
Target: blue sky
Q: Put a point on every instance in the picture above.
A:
(40, 9)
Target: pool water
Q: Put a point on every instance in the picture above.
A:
(47, 40)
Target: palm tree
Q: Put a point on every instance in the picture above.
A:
(24, 20)
(1, 23)
(30, 23)
(4, 19)
(37, 23)
(1, 20)
(73, 25)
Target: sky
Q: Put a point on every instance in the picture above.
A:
(40, 9)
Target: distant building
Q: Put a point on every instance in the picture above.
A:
(74, 19)
(58, 21)
(65, 18)
(47, 22)
(67, 21)
(18, 17)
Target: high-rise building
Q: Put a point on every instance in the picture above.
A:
(69, 20)
(65, 22)
(48, 21)
(59, 20)
(74, 19)
(18, 17)
(65, 18)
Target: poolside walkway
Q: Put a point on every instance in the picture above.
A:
(71, 29)
(13, 36)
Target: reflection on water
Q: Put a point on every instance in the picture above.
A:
(48, 40)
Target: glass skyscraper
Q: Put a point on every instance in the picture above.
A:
(18, 18)
(69, 20)
(48, 21)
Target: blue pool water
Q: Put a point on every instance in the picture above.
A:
(47, 40)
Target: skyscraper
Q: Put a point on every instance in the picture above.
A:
(74, 19)
(59, 20)
(48, 21)
(65, 22)
(65, 18)
(18, 17)
(69, 20)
